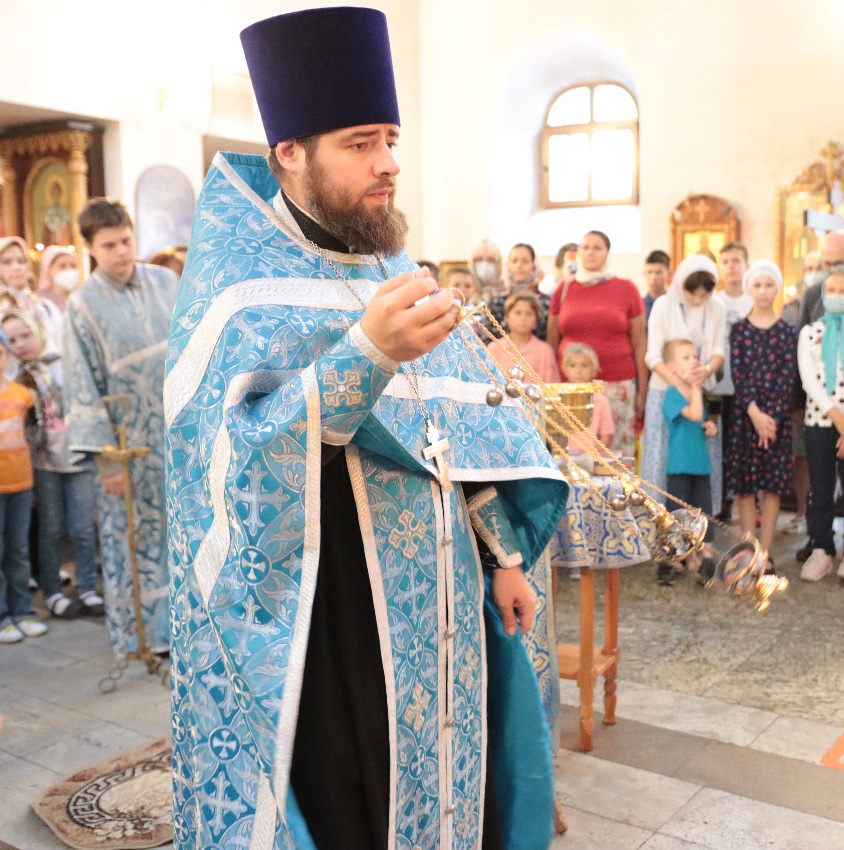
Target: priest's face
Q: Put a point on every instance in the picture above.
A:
(348, 184)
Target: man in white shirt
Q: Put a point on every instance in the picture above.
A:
(732, 264)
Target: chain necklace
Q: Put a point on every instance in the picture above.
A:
(437, 445)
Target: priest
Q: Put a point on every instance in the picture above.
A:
(349, 517)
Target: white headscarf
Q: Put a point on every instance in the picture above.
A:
(761, 268)
(695, 263)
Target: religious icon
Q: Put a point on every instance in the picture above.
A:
(706, 242)
(702, 224)
(50, 215)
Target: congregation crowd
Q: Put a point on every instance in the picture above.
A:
(727, 389)
(77, 363)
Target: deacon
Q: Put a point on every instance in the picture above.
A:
(114, 341)
(349, 517)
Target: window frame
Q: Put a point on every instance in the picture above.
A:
(589, 129)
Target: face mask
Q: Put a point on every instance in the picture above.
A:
(811, 278)
(67, 279)
(833, 303)
(485, 270)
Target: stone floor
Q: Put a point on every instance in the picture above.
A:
(730, 732)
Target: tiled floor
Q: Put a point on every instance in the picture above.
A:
(724, 719)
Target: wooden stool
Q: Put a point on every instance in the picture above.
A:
(584, 662)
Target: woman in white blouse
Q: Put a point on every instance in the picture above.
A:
(686, 311)
(820, 349)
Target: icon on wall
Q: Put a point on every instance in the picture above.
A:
(164, 209)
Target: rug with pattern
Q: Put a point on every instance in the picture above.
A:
(125, 802)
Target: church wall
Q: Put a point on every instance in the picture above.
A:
(731, 95)
(146, 70)
(735, 99)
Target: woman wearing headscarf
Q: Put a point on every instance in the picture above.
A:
(607, 313)
(59, 275)
(16, 290)
(686, 311)
(763, 357)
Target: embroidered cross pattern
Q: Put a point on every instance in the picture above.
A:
(414, 714)
(469, 669)
(345, 390)
(408, 532)
(220, 804)
(436, 447)
(255, 496)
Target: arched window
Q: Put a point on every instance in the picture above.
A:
(590, 147)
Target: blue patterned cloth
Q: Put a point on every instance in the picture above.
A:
(114, 344)
(593, 535)
(266, 364)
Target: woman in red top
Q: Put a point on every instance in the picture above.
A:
(607, 313)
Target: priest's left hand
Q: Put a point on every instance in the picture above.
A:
(515, 598)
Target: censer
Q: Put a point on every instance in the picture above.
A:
(562, 410)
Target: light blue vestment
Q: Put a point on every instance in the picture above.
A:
(114, 344)
(267, 362)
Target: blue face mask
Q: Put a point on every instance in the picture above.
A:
(833, 303)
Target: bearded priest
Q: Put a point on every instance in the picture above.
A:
(350, 520)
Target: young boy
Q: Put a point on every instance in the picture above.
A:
(17, 619)
(657, 274)
(687, 467)
(732, 264)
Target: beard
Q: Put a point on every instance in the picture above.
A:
(382, 230)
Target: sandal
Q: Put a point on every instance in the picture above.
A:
(63, 608)
(93, 604)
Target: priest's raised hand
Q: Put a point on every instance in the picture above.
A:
(403, 325)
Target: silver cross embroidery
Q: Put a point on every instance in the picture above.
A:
(436, 447)
(407, 534)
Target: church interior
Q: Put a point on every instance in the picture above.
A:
(730, 724)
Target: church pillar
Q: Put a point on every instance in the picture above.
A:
(7, 182)
(77, 165)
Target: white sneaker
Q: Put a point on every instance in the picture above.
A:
(32, 627)
(818, 565)
(796, 525)
(11, 634)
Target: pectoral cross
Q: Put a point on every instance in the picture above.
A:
(436, 447)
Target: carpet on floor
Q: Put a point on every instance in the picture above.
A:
(125, 802)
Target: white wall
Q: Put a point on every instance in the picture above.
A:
(735, 98)
(109, 61)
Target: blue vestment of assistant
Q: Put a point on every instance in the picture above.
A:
(114, 343)
(267, 363)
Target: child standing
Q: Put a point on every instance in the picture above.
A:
(820, 348)
(66, 483)
(580, 366)
(688, 466)
(521, 310)
(17, 619)
(764, 367)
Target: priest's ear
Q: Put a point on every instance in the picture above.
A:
(291, 156)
